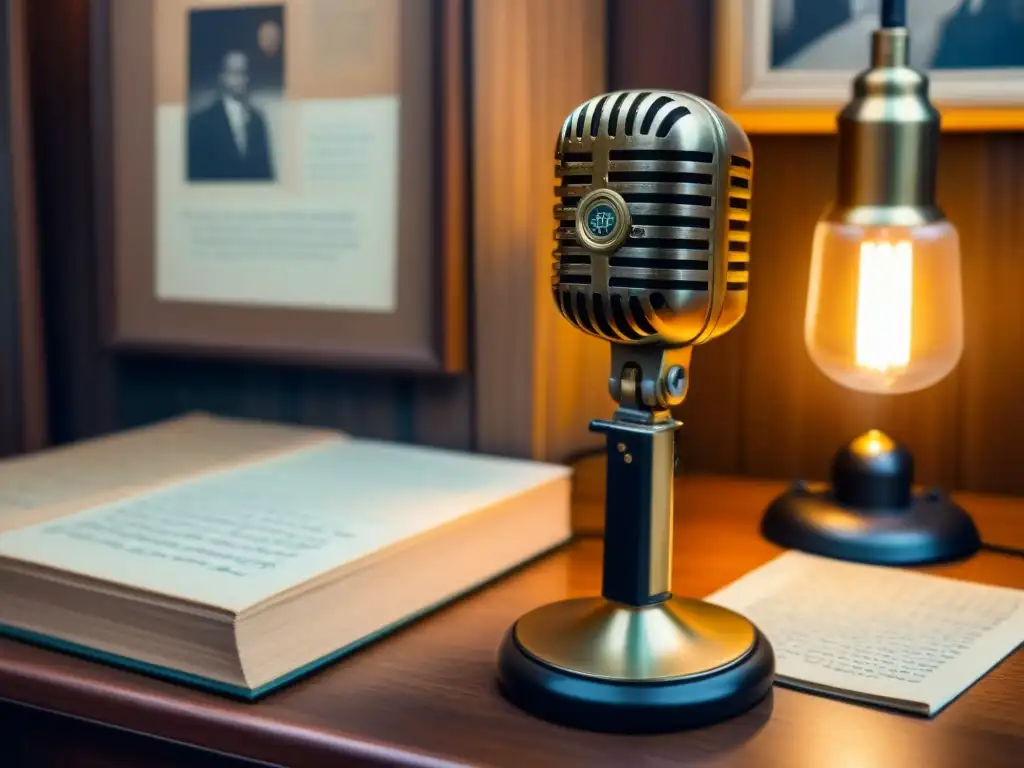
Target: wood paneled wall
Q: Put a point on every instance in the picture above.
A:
(538, 380)
(757, 404)
(23, 424)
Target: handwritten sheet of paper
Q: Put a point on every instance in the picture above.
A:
(882, 635)
(139, 458)
(233, 539)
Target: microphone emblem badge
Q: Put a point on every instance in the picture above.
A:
(653, 242)
(603, 222)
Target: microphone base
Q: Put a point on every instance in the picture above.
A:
(931, 528)
(601, 666)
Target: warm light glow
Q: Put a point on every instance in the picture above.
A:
(884, 309)
(885, 306)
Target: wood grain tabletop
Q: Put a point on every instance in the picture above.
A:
(425, 696)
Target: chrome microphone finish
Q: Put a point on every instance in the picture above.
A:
(653, 221)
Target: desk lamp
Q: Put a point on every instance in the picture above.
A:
(884, 315)
(652, 252)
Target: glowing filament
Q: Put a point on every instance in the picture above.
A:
(884, 306)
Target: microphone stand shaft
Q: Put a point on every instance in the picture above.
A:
(638, 510)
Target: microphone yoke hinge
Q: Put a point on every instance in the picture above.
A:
(649, 378)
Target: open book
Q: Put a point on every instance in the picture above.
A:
(882, 636)
(236, 555)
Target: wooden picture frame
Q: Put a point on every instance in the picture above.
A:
(24, 422)
(427, 331)
(804, 93)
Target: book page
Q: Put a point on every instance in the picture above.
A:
(232, 539)
(883, 635)
(72, 476)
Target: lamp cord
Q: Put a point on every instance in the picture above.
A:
(999, 549)
(894, 13)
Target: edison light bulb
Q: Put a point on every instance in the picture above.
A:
(884, 308)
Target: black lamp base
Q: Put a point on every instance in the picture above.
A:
(931, 529)
(870, 512)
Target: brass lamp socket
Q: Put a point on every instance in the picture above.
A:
(888, 142)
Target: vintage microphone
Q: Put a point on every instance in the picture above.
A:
(653, 248)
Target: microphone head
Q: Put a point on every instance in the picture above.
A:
(653, 237)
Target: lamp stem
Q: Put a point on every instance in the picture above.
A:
(894, 13)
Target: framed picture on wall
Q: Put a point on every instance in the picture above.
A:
(787, 65)
(283, 179)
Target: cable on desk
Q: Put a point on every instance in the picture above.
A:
(999, 549)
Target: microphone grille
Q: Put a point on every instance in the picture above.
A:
(645, 168)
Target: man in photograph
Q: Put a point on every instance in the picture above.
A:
(228, 140)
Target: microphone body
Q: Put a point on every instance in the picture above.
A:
(653, 226)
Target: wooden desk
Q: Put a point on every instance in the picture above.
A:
(426, 697)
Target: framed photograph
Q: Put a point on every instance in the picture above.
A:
(284, 179)
(788, 65)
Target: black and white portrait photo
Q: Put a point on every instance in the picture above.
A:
(236, 62)
(788, 65)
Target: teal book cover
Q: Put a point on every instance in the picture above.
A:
(195, 681)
